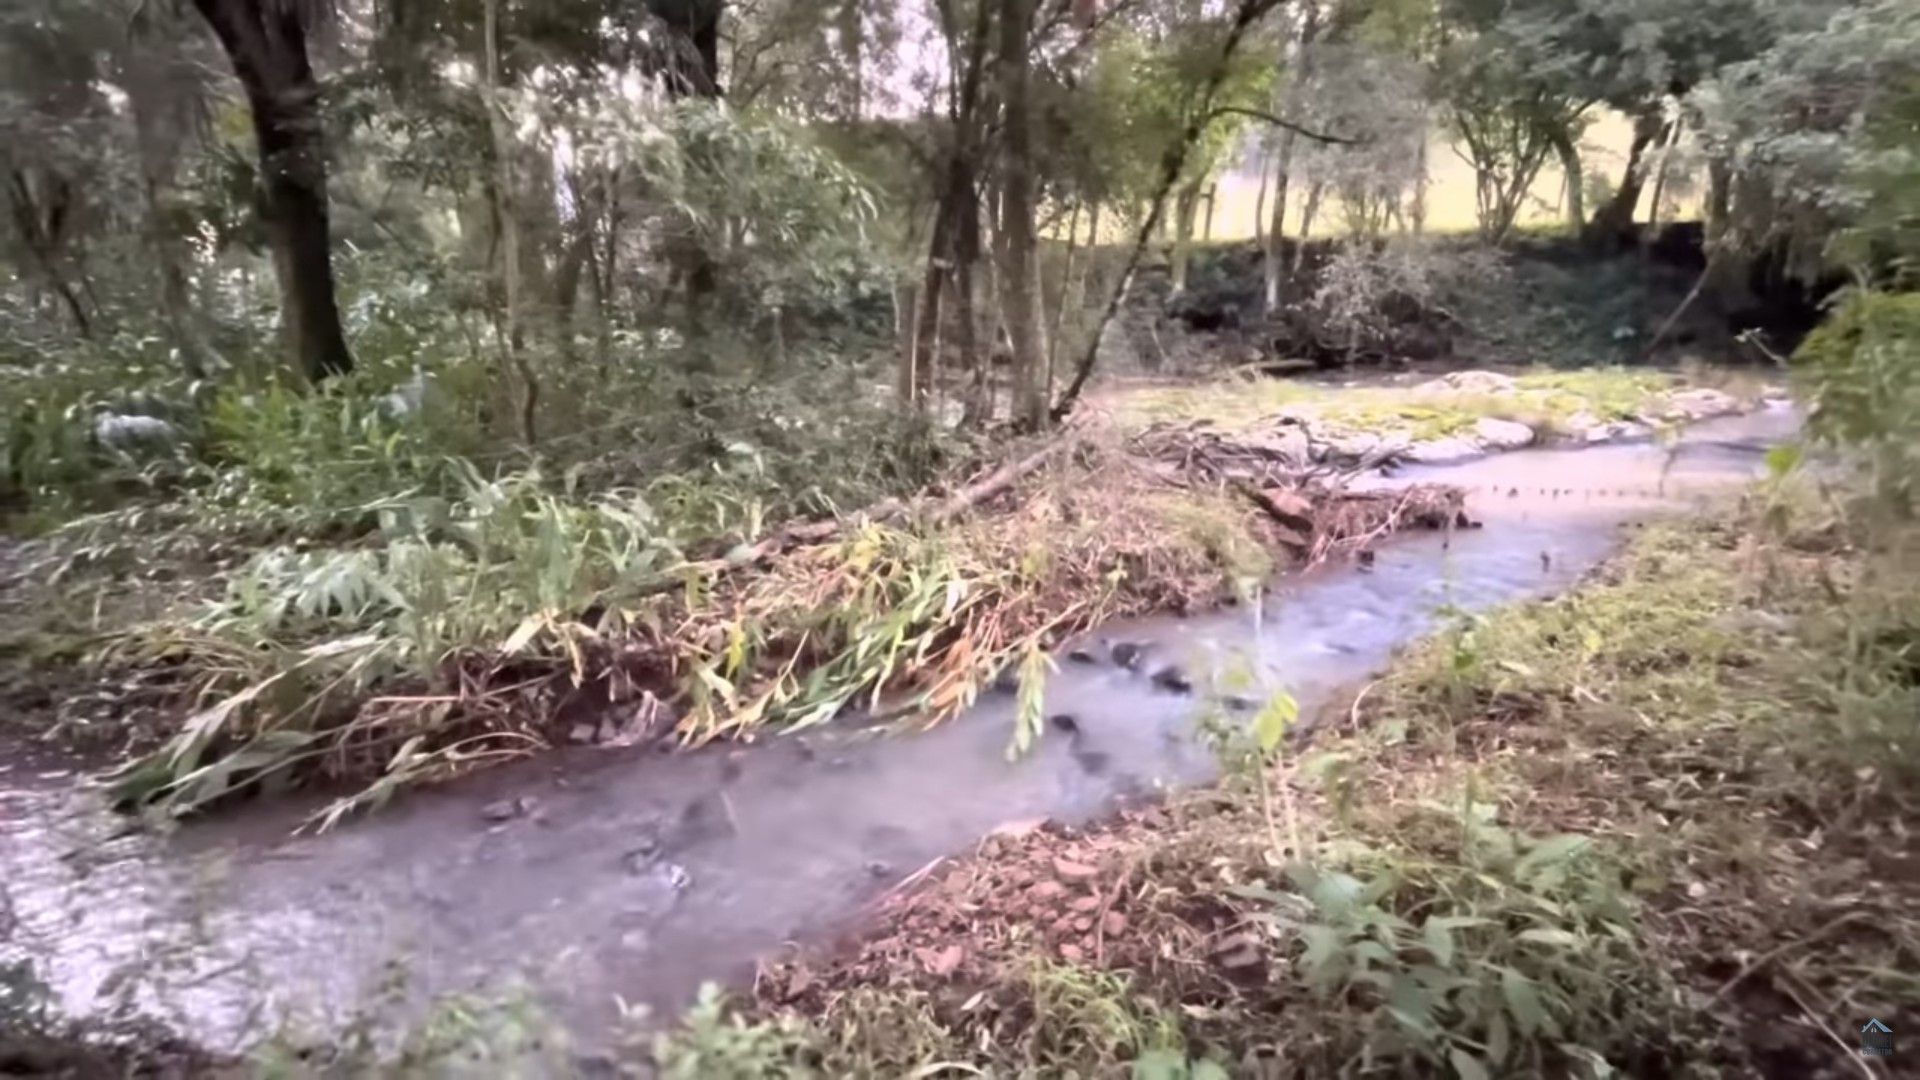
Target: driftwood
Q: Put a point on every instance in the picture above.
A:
(1302, 492)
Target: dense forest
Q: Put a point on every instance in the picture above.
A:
(393, 388)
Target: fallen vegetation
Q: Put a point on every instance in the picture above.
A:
(1658, 826)
(507, 615)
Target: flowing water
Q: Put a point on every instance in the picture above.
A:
(590, 877)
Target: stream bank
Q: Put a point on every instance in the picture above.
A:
(597, 876)
(1662, 824)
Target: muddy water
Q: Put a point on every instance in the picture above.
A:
(593, 875)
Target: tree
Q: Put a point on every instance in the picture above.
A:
(1511, 103)
(266, 42)
(1299, 77)
(1199, 110)
(1817, 136)
(1020, 258)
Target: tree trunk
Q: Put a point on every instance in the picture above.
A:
(1576, 201)
(1719, 199)
(917, 362)
(1418, 213)
(506, 222)
(267, 45)
(1308, 211)
(1184, 207)
(1660, 177)
(1066, 299)
(159, 143)
(1020, 269)
(1615, 220)
(35, 219)
(1260, 201)
(1274, 271)
(977, 408)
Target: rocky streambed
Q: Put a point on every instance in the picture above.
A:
(1463, 416)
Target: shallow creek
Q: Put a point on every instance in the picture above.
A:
(589, 875)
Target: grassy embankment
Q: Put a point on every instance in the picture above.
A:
(1547, 400)
(1661, 825)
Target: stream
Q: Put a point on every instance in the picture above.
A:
(591, 877)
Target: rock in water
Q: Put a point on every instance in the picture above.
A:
(1502, 434)
(1127, 654)
(1700, 403)
(506, 809)
(1448, 451)
(1171, 678)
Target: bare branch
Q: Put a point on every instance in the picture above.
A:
(1297, 129)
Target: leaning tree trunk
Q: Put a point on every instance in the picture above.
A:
(267, 44)
(1576, 202)
(1020, 269)
(1615, 220)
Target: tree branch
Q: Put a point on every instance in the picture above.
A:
(1317, 136)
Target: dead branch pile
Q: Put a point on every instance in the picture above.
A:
(1283, 473)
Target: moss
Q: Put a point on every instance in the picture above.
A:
(1611, 393)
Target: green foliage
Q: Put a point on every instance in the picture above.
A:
(783, 222)
(52, 398)
(1861, 374)
(1811, 129)
(713, 1042)
(1503, 955)
(302, 635)
(1083, 1015)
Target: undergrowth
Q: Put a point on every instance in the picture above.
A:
(467, 627)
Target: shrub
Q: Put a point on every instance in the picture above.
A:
(1861, 374)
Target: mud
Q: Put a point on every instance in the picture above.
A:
(592, 877)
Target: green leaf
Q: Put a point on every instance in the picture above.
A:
(1523, 1002)
(1783, 459)
(1499, 1039)
(1597, 1066)
(1465, 1065)
(1322, 944)
(1161, 1064)
(1558, 849)
(1548, 936)
(1439, 942)
(1271, 724)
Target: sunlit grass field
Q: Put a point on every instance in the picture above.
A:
(1450, 190)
